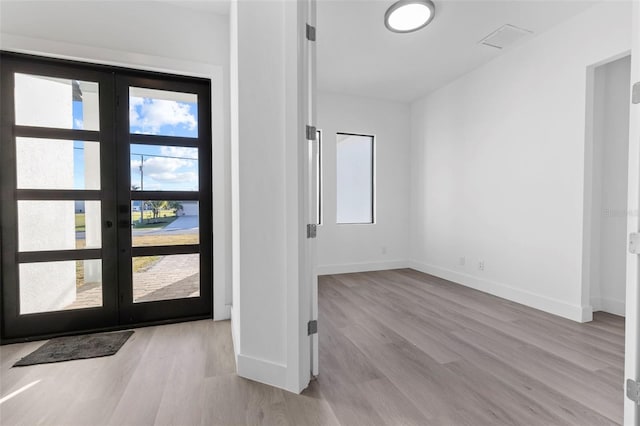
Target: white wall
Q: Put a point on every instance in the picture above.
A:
(267, 316)
(498, 167)
(384, 244)
(609, 185)
(148, 35)
(45, 225)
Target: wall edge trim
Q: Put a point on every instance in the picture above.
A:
(533, 300)
(262, 371)
(346, 268)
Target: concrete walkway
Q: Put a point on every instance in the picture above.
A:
(170, 277)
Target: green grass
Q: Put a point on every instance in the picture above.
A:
(165, 240)
(141, 264)
(154, 223)
(148, 215)
(79, 221)
(164, 218)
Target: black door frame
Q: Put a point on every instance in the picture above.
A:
(176, 308)
(114, 138)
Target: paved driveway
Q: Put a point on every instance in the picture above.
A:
(183, 222)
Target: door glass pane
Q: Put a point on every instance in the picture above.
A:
(59, 225)
(165, 223)
(166, 277)
(161, 112)
(56, 286)
(163, 168)
(354, 166)
(57, 164)
(56, 102)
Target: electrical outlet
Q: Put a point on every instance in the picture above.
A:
(481, 265)
(462, 261)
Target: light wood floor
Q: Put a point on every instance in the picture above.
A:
(404, 347)
(396, 347)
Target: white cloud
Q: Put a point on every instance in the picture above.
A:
(151, 114)
(175, 177)
(167, 170)
(179, 151)
(79, 123)
(161, 164)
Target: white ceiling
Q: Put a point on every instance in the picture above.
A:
(357, 55)
(220, 7)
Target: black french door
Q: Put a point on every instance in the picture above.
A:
(106, 197)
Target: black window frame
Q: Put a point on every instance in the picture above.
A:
(373, 178)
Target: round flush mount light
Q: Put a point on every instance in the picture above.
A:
(406, 16)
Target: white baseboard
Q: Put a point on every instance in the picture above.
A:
(257, 369)
(346, 268)
(553, 306)
(587, 314)
(262, 371)
(234, 337)
(612, 306)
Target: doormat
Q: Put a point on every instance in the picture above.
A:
(76, 347)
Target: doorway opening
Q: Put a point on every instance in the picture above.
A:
(606, 210)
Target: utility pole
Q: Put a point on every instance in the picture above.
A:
(141, 172)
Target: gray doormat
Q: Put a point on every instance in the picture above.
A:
(76, 347)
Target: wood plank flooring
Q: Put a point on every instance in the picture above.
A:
(396, 347)
(402, 347)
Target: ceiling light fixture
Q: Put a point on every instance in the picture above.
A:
(406, 16)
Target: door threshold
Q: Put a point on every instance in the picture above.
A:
(102, 329)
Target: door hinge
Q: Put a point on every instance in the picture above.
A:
(312, 327)
(312, 230)
(311, 133)
(635, 93)
(633, 391)
(634, 243)
(311, 33)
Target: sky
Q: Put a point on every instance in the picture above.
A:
(167, 168)
(164, 168)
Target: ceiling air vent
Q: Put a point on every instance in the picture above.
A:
(504, 36)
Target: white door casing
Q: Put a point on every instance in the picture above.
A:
(311, 184)
(632, 349)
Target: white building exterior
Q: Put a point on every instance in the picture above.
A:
(49, 164)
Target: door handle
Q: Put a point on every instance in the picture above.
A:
(108, 224)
